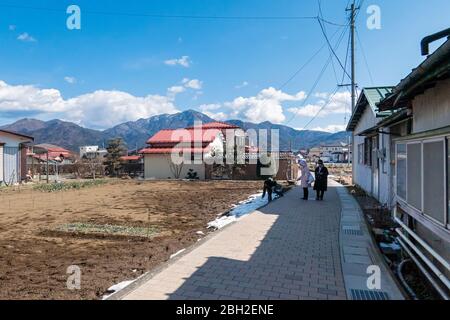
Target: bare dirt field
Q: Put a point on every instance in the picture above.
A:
(35, 250)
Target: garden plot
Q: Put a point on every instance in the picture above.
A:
(113, 231)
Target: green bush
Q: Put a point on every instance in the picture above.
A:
(62, 186)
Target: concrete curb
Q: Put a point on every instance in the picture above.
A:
(359, 251)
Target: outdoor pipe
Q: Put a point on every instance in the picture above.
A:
(403, 281)
(438, 273)
(424, 271)
(423, 244)
(424, 44)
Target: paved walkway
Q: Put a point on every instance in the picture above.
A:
(286, 250)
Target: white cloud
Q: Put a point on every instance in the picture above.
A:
(98, 109)
(183, 61)
(265, 106)
(25, 37)
(242, 85)
(71, 80)
(175, 90)
(211, 110)
(192, 83)
(339, 104)
(332, 128)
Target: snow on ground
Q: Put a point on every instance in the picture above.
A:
(176, 253)
(113, 289)
(253, 203)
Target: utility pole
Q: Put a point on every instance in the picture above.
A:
(352, 10)
(352, 32)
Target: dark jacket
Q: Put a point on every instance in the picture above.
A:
(268, 186)
(321, 182)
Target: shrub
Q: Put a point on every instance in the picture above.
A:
(62, 186)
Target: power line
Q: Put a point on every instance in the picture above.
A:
(319, 3)
(306, 63)
(322, 108)
(331, 48)
(322, 71)
(364, 56)
(171, 16)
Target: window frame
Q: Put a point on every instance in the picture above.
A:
(446, 152)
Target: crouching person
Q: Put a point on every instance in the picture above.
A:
(269, 185)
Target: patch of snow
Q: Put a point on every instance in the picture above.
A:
(176, 253)
(200, 233)
(113, 289)
(254, 202)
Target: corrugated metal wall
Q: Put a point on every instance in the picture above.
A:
(11, 164)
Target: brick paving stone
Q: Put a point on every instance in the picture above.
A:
(286, 250)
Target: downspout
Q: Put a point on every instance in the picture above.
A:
(424, 44)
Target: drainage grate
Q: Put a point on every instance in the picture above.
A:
(352, 231)
(358, 294)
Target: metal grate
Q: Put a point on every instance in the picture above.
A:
(352, 231)
(358, 294)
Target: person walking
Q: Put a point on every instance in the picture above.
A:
(321, 182)
(304, 178)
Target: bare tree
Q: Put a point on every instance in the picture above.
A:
(175, 168)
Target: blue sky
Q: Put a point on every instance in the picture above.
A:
(121, 67)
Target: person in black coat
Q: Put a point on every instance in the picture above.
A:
(269, 186)
(321, 182)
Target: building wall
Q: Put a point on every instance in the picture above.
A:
(1, 164)
(431, 110)
(11, 156)
(157, 166)
(362, 173)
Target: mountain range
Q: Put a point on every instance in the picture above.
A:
(135, 133)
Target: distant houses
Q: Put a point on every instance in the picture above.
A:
(92, 152)
(13, 148)
(334, 153)
(402, 158)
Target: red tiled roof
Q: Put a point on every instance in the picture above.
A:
(130, 158)
(174, 150)
(216, 125)
(183, 135)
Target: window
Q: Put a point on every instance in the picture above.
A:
(414, 174)
(361, 153)
(434, 197)
(401, 170)
(422, 178)
(368, 151)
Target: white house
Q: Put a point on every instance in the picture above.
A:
(195, 145)
(371, 162)
(421, 159)
(92, 151)
(13, 156)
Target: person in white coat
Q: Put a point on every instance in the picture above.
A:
(304, 178)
